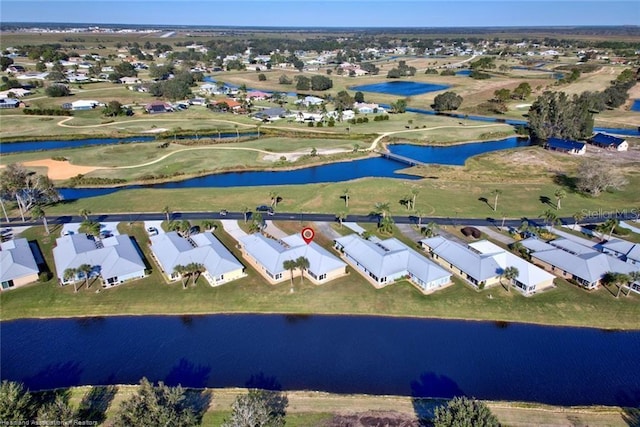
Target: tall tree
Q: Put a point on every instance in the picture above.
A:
(496, 193)
(152, 405)
(463, 412)
(447, 101)
(84, 212)
(16, 404)
(595, 177)
(245, 213)
(38, 213)
(346, 194)
(577, 217)
(181, 270)
(618, 279)
(414, 195)
(70, 274)
(58, 411)
(510, 273)
(303, 264)
(559, 195)
(381, 209)
(167, 212)
(290, 265)
(86, 269)
(550, 218)
(341, 216)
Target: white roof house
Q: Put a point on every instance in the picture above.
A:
(17, 264)
(310, 100)
(484, 262)
(268, 255)
(171, 250)
(385, 261)
(82, 104)
(115, 258)
(626, 251)
(576, 262)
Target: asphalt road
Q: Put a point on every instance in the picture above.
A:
(296, 216)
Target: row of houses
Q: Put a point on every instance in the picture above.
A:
(601, 140)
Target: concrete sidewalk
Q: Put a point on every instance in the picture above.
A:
(231, 226)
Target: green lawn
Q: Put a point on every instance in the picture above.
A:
(566, 305)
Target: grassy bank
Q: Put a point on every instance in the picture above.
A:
(310, 409)
(565, 305)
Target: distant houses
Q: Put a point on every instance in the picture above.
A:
(566, 146)
(609, 142)
(114, 259)
(268, 256)
(9, 103)
(382, 262)
(270, 114)
(171, 250)
(158, 108)
(483, 263)
(626, 251)
(83, 105)
(18, 266)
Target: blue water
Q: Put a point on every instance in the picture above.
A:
(454, 154)
(18, 147)
(636, 105)
(463, 73)
(401, 88)
(372, 355)
(334, 172)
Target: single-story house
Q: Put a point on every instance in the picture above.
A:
(158, 107)
(570, 260)
(258, 95)
(130, 80)
(84, 105)
(171, 250)
(9, 103)
(198, 101)
(16, 68)
(483, 263)
(626, 251)
(114, 259)
(346, 115)
(310, 100)
(268, 255)
(231, 103)
(384, 261)
(33, 76)
(368, 108)
(17, 92)
(303, 116)
(270, 114)
(610, 141)
(566, 146)
(18, 266)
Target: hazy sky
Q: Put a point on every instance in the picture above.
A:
(328, 13)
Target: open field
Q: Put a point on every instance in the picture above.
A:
(565, 305)
(314, 409)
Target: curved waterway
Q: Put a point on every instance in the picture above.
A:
(341, 354)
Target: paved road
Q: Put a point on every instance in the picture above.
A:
(296, 216)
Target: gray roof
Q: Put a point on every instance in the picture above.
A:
(390, 257)
(479, 266)
(270, 112)
(534, 245)
(571, 246)
(271, 253)
(114, 256)
(203, 248)
(628, 249)
(16, 260)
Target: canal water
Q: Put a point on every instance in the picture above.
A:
(341, 354)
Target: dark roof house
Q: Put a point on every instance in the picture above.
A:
(566, 146)
(609, 141)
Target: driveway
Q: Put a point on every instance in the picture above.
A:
(231, 226)
(274, 231)
(325, 228)
(494, 235)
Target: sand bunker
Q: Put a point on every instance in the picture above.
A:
(61, 169)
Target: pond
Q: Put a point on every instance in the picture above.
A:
(333, 172)
(341, 354)
(636, 105)
(22, 146)
(456, 154)
(401, 88)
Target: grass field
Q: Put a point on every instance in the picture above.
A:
(565, 305)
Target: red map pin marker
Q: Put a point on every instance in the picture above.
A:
(308, 234)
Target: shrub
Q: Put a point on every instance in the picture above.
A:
(44, 276)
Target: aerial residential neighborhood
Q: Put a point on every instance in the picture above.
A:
(355, 214)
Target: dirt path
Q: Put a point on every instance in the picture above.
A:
(189, 149)
(63, 122)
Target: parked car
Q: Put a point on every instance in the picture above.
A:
(264, 208)
(224, 212)
(194, 230)
(152, 231)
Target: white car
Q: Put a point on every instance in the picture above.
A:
(152, 231)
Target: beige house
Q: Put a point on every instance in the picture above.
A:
(18, 266)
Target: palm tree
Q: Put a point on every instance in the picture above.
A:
(386, 225)
(3, 208)
(38, 213)
(208, 224)
(256, 224)
(237, 133)
(611, 225)
(274, 198)
(167, 212)
(381, 208)
(560, 194)
(430, 230)
(90, 227)
(85, 269)
(346, 194)
(550, 218)
(419, 215)
(414, 194)
(84, 212)
(303, 264)
(181, 270)
(510, 273)
(69, 274)
(196, 270)
(290, 265)
(577, 217)
(341, 216)
(245, 213)
(618, 279)
(497, 192)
